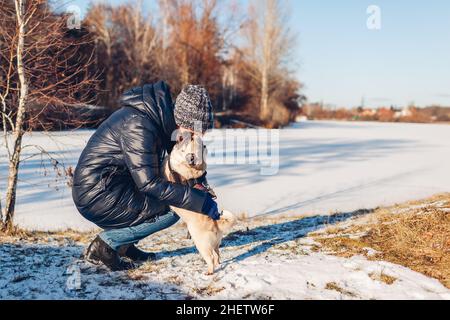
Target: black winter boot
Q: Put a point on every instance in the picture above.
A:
(135, 254)
(100, 252)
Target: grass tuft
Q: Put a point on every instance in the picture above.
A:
(334, 286)
(382, 277)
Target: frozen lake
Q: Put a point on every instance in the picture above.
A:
(324, 167)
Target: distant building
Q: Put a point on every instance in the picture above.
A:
(367, 112)
(406, 112)
(402, 113)
(301, 118)
(310, 108)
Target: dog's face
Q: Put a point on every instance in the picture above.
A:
(188, 157)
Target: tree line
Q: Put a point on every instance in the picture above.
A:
(242, 55)
(430, 114)
(243, 60)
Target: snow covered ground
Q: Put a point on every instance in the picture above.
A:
(272, 260)
(324, 167)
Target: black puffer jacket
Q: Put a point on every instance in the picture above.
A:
(117, 180)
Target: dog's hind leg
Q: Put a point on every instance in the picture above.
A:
(207, 254)
(210, 261)
(216, 255)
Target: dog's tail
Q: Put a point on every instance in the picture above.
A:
(227, 221)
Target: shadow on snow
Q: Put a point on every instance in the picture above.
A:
(268, 236)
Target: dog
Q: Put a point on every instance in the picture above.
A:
(185, 162)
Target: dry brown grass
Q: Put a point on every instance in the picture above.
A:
(209, 290)
(415, 235)
(20, 235)
(334, 286)
(136, 275)
(382, 277)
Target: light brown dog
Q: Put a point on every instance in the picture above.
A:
(186, 162)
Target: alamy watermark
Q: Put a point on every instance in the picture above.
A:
(73, 282)
(258, 147)
(374, 19)
(74, 17)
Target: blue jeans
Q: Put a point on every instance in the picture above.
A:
(116, 238)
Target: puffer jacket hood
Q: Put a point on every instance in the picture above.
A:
(155, 101)
(117, 182)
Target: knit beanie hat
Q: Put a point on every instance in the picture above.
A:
(193, 109)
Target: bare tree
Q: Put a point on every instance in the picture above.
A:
(98, 18)
(195, 43)
(186, 44)
(22, 86)
(38, 70)
(268, 45)
(127, 48)
(139, 44)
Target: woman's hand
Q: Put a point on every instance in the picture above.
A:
(210, 208)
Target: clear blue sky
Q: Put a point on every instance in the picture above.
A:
(340, 60)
